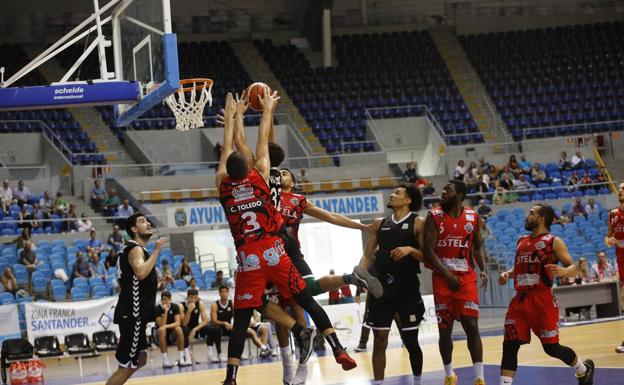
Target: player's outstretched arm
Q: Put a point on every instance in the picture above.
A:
(431, 240)
(335, 219)
(228, 138)
(372, 243)
(240, 137)
(268, 103)
(560, 250)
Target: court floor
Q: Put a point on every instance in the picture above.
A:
(596, 341)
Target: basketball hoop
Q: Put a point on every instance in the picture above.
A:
(189, 112)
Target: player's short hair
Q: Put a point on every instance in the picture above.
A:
(236, 165)
(219, 271)
(165, 294)
(276, 154)
(292, 175)
(190, 292)
(547, 212)
(414, 194)
(131, 221)
(224, 287)
(460, 187)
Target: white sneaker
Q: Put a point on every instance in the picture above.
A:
(219, 358)
(185, 362)
(167, 365)
(212, 358)
(300, 376)
(620, 349)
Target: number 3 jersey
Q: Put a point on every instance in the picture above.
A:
(532, 255)
(250, 213)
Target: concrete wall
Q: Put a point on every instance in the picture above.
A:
(22, 149)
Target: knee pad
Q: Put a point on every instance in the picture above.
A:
(313, 286)
(510, 355)
(563, 353)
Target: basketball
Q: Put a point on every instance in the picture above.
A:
(253, 91)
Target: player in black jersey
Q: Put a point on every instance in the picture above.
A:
(221, 313)
(135, 308)
(193, 309)
(393, 247)
(168, 320)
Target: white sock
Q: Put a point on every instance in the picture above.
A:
(417, 380)
(579, 366)
(477, 367)
(210, 350)
(263, 347)
(286, 354)
(287, 364)
(187, 354)
(165, 358)
(180, 356)
(504, 380)
(375, 382)
(448, 370)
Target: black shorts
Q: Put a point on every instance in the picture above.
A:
(402, 296)
(132, 342)
(293, 249)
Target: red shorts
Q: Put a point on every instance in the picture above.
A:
(262, 262)
(451, 305)
(619, 252)
(537, 311)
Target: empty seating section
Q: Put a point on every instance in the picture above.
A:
(60, 121)
(584, 236)
(376, 71)
(568, 80)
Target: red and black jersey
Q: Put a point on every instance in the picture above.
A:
(248, 207)
(616, 220)
(532, 255)
(455, 238)
(291, 208)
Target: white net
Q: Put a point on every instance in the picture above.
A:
(188, 110)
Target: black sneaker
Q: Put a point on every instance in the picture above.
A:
(368, 282)
(306, 344)
(229, 382)
(620, 349)
(361, 348)
(588, 377)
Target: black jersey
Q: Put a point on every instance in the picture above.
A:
(174, 310)
(194, 320)
(225, 313)
(275, 185)
(137, 297)
(394, 234)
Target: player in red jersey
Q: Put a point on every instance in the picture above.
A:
(255, 223)
(534, 308)
(452, 246)
(615, 237)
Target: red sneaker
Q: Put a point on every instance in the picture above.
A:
(345, 360)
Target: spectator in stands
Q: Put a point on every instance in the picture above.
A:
(303, 178)
(69, 224)
(111, 259)
(538, 175)
(508, 187)
(492, 173)
(482, 188)
(484, 175)
(167, 273)
(411, 173)
(578, 161)
(564, 218)
(483, 165)
(591, 207)
(28, 257)
(38, 213)
(217, 150)
(600, 178)
(193, 284)
(583, 276)
(184, 271)
(97, 266)
(498, 198)
(460, 171)
(428, 190)
(98, 194)
(84, 224)
(9, 283)
(111, 202)
(46, 202)
(585, 180)
(218, 282)
(525, 165)
(506, 172)
(81, 268)
(93, 243)
(573, 182)
(521, 184)
(60, 203)
(26, 220)
(125, 210)
(578, 208)
(603, 271)
(6, 196)
(514, 166)
(116, 239)
(21, 193)
(564, 163)
(169, 328)
(162, 284)
(21, 239)
(484, 210)
(470, 180)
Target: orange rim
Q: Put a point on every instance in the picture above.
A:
(203, 83)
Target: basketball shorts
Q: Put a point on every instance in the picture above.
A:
(620, 263)
(132, 342)
(293, 249)
(451, 305)
(262, 262)
(535, 311)
(401, 296)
